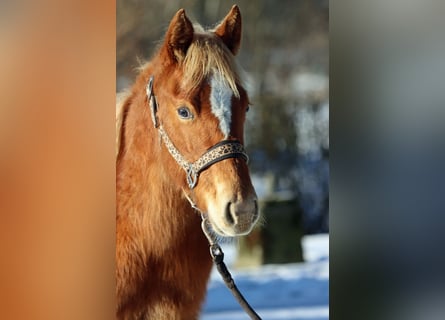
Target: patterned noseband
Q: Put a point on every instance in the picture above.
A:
(223, 150)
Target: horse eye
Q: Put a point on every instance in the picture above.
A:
(185, 113)
(247, 109)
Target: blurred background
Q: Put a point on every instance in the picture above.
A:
(285, 52)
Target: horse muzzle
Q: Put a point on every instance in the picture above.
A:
(236, 219)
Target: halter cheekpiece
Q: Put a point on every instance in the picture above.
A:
(224, 149)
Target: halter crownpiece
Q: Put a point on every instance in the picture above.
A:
(225, 149)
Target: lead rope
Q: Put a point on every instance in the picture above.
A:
(217, 255)
(218, 258)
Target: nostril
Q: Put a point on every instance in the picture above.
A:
(229, 216)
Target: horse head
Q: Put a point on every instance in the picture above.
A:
(198, 103)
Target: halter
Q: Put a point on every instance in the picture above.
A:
(224, 149)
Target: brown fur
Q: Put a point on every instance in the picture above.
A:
(162, 257)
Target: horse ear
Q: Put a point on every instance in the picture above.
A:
(229, 30)
(179, 36)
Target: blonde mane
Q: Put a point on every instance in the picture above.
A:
(207, 55)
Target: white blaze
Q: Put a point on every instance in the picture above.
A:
(221, 102)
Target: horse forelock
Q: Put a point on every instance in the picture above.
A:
(207, 55)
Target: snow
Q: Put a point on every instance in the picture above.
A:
(276, 292)
(315, 247)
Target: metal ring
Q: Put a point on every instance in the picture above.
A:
(192, 177)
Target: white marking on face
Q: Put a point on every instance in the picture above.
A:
(221, 102)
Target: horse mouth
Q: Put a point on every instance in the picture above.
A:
(219, 231)
(239, 229)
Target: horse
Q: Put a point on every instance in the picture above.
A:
(179, 148)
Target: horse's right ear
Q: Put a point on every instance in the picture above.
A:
(179, 36)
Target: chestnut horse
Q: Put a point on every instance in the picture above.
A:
(187, 100)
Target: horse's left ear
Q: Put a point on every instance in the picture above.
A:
(229, 30)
